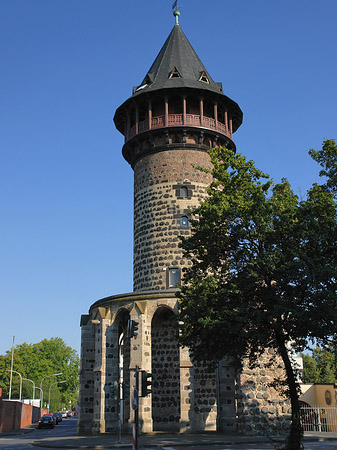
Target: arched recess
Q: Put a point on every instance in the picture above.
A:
(123, 365)
(166, 410)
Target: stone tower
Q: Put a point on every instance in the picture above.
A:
(170, 121)
(172, 118)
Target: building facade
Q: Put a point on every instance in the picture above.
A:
(172, 118)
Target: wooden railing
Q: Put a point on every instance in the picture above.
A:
(177, 120)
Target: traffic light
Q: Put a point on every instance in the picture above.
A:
(145, 383)
(114, 390)
(126, 390)
(132, 328)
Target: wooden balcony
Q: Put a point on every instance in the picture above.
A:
(177, 120)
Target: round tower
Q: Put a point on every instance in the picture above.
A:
(172, 118)
(170, 121)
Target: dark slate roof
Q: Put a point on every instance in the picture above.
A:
(177, 53)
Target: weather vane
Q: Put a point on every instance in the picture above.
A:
(175, 5)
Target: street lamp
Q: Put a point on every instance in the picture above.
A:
(11, 370)
(41, 395)
(52, 375)
(57, 382)
(27, 379)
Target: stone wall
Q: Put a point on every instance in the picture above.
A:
(158, 208)
(185, 397)
(262, 409)
(165, 373)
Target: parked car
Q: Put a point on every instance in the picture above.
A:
(58, 417)
(47, 421)
(64, 415)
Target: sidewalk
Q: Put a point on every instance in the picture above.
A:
(24, 430)
(164, 440)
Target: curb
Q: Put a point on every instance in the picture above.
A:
(19, 432)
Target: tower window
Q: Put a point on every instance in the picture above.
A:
(184, 221)
(183, 192)
(173, 277)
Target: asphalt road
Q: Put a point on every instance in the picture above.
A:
(68, 428)
(22, 442)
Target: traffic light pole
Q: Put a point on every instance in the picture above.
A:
(119, 428)
(135, 425)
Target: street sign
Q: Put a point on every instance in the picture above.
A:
(135, 399)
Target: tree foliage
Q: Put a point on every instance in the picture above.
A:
(327, 159)
(263, 271)
(36, 362)
(320, 367)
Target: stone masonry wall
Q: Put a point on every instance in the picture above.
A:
(158, 208)
(165, 373)
(86, 399)
(205, 398)
(227, 397)
(261, 408)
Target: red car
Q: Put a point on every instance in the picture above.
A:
(47, 421)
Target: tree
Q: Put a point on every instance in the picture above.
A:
(263, 271)
(320, 367)
(310, 370)
(35, 362)
(327, 158)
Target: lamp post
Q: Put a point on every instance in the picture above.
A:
(57, 382)
(41, 395)
(11, 370)
(27, 379)
(52, 375)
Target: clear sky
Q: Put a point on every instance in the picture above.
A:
(66, 192)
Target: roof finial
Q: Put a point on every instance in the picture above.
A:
(176, 13)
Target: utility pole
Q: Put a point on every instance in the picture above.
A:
(135, 405)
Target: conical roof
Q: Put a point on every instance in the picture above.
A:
(177, 65)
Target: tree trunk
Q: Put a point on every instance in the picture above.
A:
(294, 441)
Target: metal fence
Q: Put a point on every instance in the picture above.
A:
(314, 418)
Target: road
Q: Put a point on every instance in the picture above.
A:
(22, 442)
(68, 428)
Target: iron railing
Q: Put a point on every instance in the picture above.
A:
(315, 418)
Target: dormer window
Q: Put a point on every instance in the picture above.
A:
(204, 77)
(141, 87)
(174, 73)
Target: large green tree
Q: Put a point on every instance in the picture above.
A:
(320, 367)
(38, 362)
(263, 271)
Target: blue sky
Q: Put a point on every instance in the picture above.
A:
(66, 192)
